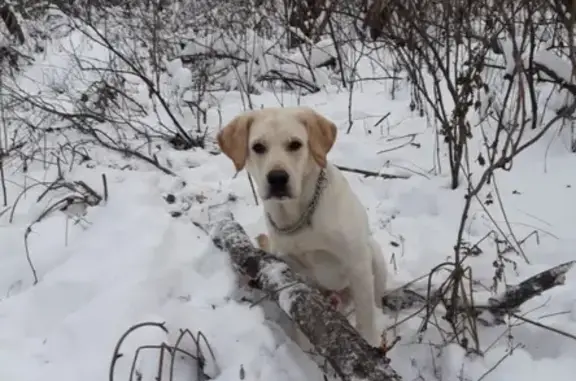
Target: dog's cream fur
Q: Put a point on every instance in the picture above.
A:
(336, 250)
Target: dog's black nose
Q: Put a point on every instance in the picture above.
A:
(278, 178)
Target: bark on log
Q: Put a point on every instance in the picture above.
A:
(351, 357)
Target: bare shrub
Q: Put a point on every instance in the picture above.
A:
(495, 61)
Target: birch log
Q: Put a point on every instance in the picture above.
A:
(351, 357)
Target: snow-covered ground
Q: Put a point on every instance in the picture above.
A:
(138, 258)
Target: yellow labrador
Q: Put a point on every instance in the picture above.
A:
(314, 219)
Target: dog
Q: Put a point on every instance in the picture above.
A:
(314, 220)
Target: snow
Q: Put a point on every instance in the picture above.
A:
(128, 260)
(555, 63)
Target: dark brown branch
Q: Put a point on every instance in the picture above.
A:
(334, 338)
(371, 173)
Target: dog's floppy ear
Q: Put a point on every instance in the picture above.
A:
(321, 134)
(233, 139)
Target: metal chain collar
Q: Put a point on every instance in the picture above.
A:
(306, 217)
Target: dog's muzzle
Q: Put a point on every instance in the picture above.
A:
(278, 184)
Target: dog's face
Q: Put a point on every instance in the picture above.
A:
(279, 147)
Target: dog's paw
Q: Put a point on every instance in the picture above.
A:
(374, 340)
(369, 333)
(263, 242)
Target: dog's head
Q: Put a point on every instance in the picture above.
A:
(278, 147)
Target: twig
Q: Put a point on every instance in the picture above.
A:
(253, 189)
(382, 119)
(28, 258)
(508, 354)
(3, 179)
(543, 326)
(371, 173)
(105, 186)
(116, 354)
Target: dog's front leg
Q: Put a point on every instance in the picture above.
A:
(362, 292)
(380, 271)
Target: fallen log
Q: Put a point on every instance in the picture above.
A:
(351, 357)
(514, 296)
(505, 303)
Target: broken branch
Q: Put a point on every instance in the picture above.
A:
(507, 303)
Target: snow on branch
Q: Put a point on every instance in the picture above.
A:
(492, 313)
(352, 358)
(555, 69)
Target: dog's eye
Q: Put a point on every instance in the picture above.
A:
(259, 148)
(294, 145)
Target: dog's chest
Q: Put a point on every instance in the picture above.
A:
(298, 243)
(311, 255)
